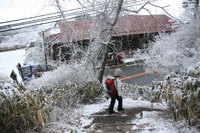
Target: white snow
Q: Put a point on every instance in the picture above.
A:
(8, 62)
(127, 102)
(149, 122)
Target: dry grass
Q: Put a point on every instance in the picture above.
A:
(20, 113)
(182, 96)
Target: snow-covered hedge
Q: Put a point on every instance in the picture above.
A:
(136, 92)
(8, 90)
(31, 109)
(182, 93)
(20, 112)
(70, 95)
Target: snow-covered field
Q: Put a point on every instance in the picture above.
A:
(8, 62)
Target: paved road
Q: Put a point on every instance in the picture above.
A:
(134, 74)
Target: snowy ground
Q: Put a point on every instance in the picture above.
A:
(157, 120)
(150, 119)
(139, 117)
(8, 62)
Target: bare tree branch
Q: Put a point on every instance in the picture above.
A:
(150, 3)
(163, 8)
(137, 11)
(155, 18)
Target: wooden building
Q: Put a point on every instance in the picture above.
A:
(130, 32)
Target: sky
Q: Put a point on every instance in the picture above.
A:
(16, 9)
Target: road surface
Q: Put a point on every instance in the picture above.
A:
(134, 74)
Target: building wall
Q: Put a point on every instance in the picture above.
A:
(127, 44)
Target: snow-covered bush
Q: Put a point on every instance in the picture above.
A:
(28, 109)
(21, 112)
(70, 95)
(174, 52)
(136, 92)
(66, 74)
(63, 99)
(8, 90)
(35, 55)
(182, 93)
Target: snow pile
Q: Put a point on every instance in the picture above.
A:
(65, 74)
(157, 122)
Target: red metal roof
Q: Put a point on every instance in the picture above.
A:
(140, 24)
(126, 25)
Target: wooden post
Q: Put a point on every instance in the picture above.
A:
(196, 9)
(45, 52)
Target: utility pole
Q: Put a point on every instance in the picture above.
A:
(196, 9)
(45, 52)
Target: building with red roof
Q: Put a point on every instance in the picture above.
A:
(130, 32)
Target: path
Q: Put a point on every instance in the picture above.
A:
(121, 123)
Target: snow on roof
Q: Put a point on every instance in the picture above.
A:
(126, 25)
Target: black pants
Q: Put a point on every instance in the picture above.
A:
(112, 103)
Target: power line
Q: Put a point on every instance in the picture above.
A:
(54, 17)
(88, 8)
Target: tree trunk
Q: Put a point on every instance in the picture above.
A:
(196, 9)
(111, 26)
(103, 64)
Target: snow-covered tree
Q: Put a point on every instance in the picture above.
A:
(91, 66)
(107, 15)
(192, 7)
(174, 52)
(34, 55)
